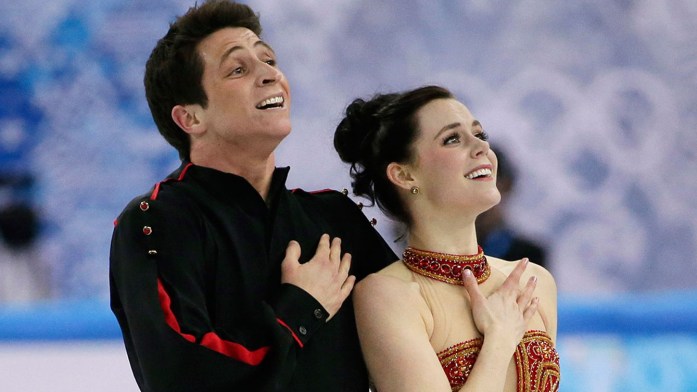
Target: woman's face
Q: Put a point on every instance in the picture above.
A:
(453, 167)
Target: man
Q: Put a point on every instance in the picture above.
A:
(221, 278)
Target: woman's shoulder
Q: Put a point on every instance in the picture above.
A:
(392, 294)
(506, 267)
(392, 283)
(395, 275)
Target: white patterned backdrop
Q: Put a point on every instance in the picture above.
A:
(594, 100)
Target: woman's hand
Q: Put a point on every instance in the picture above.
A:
(504, 314)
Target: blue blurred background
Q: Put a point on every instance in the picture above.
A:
(593, 101)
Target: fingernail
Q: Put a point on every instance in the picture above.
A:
(534, 279)
(467, 272)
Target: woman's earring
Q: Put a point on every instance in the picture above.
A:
(414, 190)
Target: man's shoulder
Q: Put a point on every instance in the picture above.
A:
(327, 197)
(163, 198)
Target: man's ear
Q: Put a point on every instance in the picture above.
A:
(188, 117)
(400, 175)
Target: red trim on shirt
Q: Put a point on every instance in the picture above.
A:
(156, 190)
(234, 350)
(210, 340)
(183, 173)
(300, 343)
(170, 319)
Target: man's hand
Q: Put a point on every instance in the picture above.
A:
(325, 276)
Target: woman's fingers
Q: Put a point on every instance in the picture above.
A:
(531, 309)
(526, 295)
(512, 282)
(472, 287)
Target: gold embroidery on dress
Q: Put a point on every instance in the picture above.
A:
(536, 359)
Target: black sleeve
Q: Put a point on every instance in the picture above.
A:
(370, 253)
(159, 296)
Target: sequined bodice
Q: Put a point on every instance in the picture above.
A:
(536, 360)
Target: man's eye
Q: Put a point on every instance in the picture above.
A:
(237, 71)
(271, 62)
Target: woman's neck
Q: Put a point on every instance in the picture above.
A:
(444, 235)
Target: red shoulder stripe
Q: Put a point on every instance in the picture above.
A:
(210, 340)
(184, 170)
(156, 191)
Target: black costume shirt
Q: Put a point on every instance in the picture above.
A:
(195, 285)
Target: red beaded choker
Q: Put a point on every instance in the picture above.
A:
(446, 267)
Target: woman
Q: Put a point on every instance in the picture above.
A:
(425, 160)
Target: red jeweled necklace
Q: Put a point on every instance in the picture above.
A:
(446, 267)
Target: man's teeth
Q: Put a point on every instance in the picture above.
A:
(478, 173)
(270, 101)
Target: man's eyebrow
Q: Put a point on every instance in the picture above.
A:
(455, 125)
(264, 44)
(232, 49)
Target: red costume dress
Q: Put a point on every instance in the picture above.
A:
(536, 359)
(537, 362)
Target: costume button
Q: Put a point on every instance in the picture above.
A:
(318, 313)
(344, 191)
(302, 330)
(144, 206)
(147, 230)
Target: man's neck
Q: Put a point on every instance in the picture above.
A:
(257, 170)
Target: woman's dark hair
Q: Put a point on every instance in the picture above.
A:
(377, 132)
(174, 70)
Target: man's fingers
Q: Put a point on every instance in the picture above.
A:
(347, 286)
(344, 292)
(323, 245)
(345, 265)
(292, 252)
(335, 249)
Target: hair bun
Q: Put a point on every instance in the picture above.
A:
(355, 133)
(351, 133)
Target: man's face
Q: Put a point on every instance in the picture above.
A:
(248, 96)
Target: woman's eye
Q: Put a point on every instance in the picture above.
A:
(482, 135)
(271, 62)
(237, 71)
(454, 138)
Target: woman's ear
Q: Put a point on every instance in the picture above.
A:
(188, 117)
(400, 175)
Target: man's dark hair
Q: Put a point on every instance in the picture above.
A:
(174, 71)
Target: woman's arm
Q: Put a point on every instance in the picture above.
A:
(394, 325)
